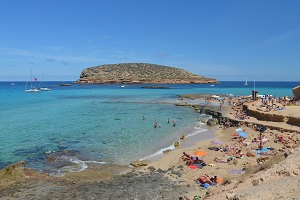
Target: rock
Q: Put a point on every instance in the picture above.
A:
(139, 163)
(167, 151)
(230, 196)
(16, 169)
(12, 174)
(138, 73)
(296, 92)
(182, 137)
(176, 143)
(211, 122)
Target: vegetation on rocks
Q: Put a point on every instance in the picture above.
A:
(139, 73)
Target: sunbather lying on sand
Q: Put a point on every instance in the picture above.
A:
(207, 179)
(219, 160)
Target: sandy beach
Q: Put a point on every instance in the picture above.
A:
(246, 174)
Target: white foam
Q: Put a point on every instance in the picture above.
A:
(159, 152)
(96, 162)
(196, 132)
(77, 166)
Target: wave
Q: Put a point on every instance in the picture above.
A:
(159, 152)
(76, 165)
(171, 147)
(196, 132)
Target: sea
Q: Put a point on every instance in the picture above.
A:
(105, 124)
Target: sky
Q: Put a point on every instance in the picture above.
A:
(230, 40)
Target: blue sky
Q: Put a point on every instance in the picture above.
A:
(224, 39)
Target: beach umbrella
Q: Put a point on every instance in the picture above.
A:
(199, 153)
(243, 134)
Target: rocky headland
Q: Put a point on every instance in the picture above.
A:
(139, 73)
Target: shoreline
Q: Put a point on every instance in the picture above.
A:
(172, 172)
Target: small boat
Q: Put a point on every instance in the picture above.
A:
(246, 83)
(12, 82)
(212, 85)
(32, 88)
(122, 86)
(44, 88)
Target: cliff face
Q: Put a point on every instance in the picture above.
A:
(139, 73)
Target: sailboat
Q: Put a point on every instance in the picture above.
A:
(246, 83)
(44, 88)
(32, 88)
(12, 82)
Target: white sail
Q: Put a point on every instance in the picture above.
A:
(246, 83)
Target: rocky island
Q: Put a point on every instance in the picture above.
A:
(139, 73)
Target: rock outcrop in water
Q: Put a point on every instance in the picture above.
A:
(139, 73)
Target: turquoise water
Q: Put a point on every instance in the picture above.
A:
(102, 123)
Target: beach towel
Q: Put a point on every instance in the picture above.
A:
(200, 166)
(236, 171)
(238, 129)
(193, 167)
(219, 180)
(258, 152)
(216, 142)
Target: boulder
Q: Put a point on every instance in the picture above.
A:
(13, 170)
(296, 92)
(211, 122)
(139, 163)
(12, 174)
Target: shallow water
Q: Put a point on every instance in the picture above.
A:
(102, 123)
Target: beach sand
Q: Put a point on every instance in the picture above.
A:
(170, 177)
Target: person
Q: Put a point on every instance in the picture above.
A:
(168, 120)
(220, 106)
(174, 123)
(190, 161)
(143, 117)
(205, 179)
(185, 156)
(198, 161)
(219, 160)
(155, 124)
